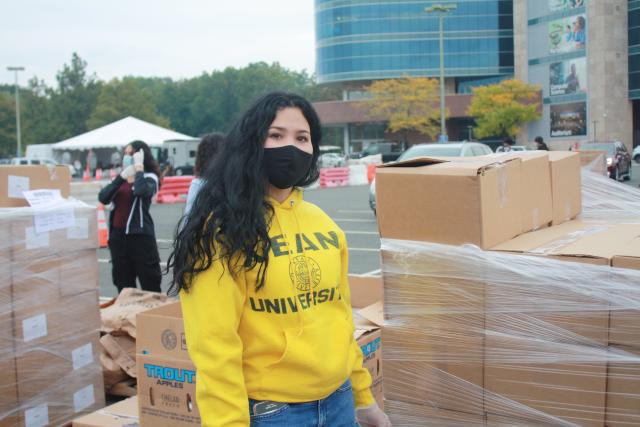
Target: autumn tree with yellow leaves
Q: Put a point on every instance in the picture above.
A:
(502, 109)
(407, 103)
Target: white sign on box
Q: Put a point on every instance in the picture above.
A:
(83, 398)
(62, 217)
(16, 185)
(38, 416)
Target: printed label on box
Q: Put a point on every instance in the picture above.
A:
(34, 240)
(54, 221)
(82, 356)
(37, 416)
(34, 327)
(80, 231)
(83, 398)
(16, 185)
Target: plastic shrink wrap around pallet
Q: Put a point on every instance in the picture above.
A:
(49, 315)
(547, 336)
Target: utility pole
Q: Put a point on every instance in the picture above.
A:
(442, 10)
(18, 135)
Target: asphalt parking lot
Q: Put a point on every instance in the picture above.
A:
(348, 206)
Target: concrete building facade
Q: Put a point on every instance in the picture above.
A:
(577, 51)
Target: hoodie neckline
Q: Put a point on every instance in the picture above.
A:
(290, 202)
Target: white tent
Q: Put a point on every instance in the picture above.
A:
(118, 134)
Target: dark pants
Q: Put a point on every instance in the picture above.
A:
(134, 255)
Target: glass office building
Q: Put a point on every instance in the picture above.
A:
(366, 40)
(359, 41)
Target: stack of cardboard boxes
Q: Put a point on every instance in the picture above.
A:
(516, 335)
(49, 315)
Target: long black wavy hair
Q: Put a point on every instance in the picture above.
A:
(230, 217)
(149, 163)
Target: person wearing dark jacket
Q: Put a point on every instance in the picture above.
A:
(132, 239)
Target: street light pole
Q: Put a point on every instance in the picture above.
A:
(594, 131)
(18, 134)
(441, 10)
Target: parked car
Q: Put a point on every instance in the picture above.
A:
(30, 161)
(617, 155)
(463, 149)
(390, 151)
(636, 154)
(500, 149)
(331, 160)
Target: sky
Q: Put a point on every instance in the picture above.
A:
(154, 38)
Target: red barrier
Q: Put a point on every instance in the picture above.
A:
(174, 189)
(334, 177)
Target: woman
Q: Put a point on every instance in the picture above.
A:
(207, 149)
(262, 277)
(132, 238)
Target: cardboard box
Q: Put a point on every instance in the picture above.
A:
(16, 179)
(537, 205)
(552, 382)
(565, 185)
(625, 315)
(57, 320)
(121, 414)
(8, 391)
(161, 332)
(409, 414)
(623, 387)
(27, 244)
(479, 201)
(166, 391)
(80, 395)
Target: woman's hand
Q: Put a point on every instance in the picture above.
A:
(372, 416)
(127, 172)
(138, 160)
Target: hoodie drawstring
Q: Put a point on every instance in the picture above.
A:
(293, 284)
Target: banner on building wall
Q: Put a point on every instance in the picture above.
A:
(568, 77)
(569, 119)
(555, 5)
(568, 34)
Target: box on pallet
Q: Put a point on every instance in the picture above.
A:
(479, 201)
(121, 414)
(167, 377)
(49, 316)
(541, 320)
(16, 179)
(565, 185)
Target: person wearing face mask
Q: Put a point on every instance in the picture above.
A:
(262, 279)
(132, 241)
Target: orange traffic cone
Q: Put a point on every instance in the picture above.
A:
(98, 174)
(103, 230)
(86, 176)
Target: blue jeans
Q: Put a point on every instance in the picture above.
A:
(337, 410)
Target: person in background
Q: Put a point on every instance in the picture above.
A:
(507, 143)
(251, 241)
(540, 144)
(579, 37)
(115, 159)
(132, 238)
(207, 149)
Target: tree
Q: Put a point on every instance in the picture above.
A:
(407, 104)
(502, 109)
(121, 98)
(7, 125)
(73, 100)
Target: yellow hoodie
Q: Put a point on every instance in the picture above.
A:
(291, 341)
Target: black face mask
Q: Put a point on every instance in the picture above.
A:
(286, 166)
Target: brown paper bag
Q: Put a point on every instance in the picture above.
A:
(121, 316)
